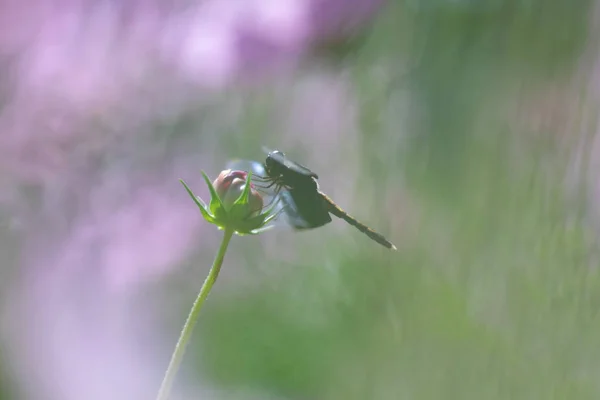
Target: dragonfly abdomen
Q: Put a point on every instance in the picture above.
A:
(338, 212)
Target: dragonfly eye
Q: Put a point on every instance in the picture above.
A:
(271, 165)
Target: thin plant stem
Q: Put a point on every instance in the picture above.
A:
(188, 327)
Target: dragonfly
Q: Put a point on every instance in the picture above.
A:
(296, 188)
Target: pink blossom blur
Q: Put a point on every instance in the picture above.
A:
(89, 172)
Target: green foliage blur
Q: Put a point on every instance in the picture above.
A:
(494, 291)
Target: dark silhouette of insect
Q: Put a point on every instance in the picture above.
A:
(305, 206)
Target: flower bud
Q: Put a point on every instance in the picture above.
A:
(230, 185)
(235, 204)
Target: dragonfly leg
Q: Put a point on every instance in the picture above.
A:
(275, 199)
(260, 178)
(273, 182)
(262, 190)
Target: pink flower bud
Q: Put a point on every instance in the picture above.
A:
(230, 184)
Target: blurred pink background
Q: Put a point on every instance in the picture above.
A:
(89, 173)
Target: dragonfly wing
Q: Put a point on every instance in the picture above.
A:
(305, 209)
(255, 167)
(290, 212)
(298, 168)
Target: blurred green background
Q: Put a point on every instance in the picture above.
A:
(494, 292)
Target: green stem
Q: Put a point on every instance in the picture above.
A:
(186, 332)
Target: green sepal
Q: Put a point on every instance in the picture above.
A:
(271, 217)
(216, 205)
(239, 209)
(261, 219)
(261, 229)
(201, 205)
(243, 199)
